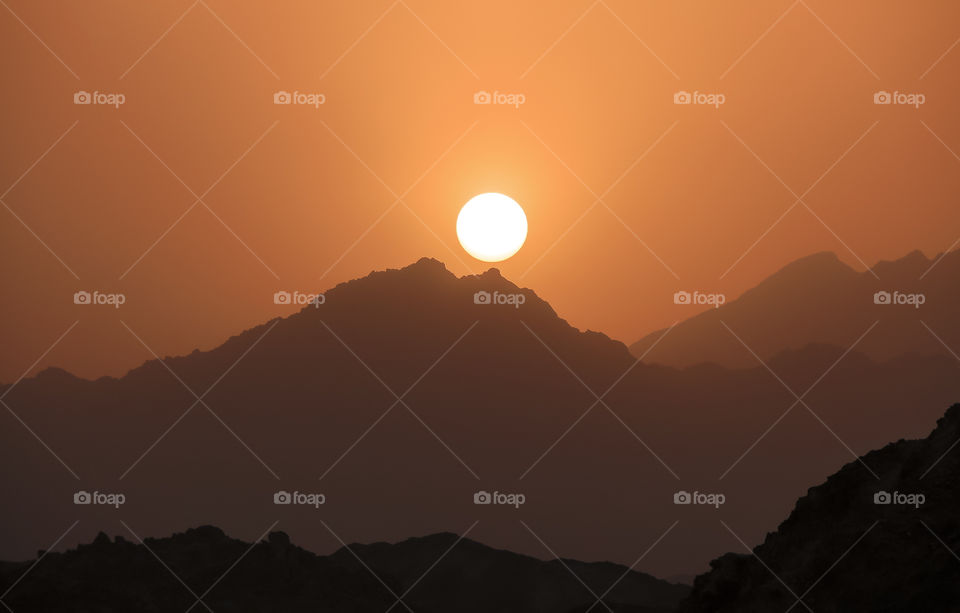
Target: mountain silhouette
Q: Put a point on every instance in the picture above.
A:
(841, 551)
(440, 572)
(819, 299)
(496, 396)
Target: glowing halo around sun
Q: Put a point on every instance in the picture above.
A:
(491, 227)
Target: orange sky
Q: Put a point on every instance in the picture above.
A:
(691, 187)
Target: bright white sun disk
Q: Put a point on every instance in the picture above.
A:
(491, 227)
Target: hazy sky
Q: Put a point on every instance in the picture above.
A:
(629, 196)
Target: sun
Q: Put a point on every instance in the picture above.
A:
(491, 227)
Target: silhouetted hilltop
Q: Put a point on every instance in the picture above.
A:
(819, 299)
(410, 390)
(273, 575)
(857, 542)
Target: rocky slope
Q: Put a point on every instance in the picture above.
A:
(857, 542)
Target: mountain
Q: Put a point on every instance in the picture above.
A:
(495, 398)
(841, 551)
(438, 573)
(819, 299)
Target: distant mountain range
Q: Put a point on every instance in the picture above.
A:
(497, 395)
(819, 299)
(857, 543)
(437, 573)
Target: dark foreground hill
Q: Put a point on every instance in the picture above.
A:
(435, 573)
(857, 543)
(497, 395)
